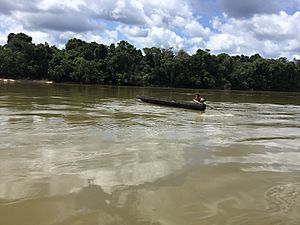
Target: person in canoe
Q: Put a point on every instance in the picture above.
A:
(199, 99)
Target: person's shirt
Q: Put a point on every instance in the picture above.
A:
(199, 99)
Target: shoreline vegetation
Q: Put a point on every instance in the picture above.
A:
(123, 64)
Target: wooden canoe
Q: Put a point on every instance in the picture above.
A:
(173, 103)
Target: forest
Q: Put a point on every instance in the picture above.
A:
(124, 64)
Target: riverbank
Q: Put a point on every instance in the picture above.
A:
(4, 80)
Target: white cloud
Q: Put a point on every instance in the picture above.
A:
(61, 4)
(165, 38)
(277, 26)
(8, 25)
(146, 23)
(81, 16)
(124, 11)
(159, 37)
(232, 44)
(133, 31)
(57, 22)
(196, 41)
(297, 57)
(179, 21)
(3, 39)
(195, 29)
(271, 35)
(8, 7)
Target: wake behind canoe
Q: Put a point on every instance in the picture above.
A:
(173, 103)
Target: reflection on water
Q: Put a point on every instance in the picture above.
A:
(96, 155)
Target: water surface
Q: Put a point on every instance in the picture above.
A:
(84, 155)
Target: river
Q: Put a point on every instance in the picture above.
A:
(96, 155)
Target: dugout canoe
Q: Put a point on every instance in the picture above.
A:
(173, 103)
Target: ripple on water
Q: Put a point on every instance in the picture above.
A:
(282, 198)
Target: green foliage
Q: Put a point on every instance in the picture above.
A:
(123, 64)
(85, 71)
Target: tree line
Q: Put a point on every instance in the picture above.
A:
(123, 64)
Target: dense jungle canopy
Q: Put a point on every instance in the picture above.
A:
(123, 64)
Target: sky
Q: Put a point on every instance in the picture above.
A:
(270, 28)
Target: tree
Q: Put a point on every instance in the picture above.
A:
(85, 71)
(123, 64)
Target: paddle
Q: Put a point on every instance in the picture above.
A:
(214, 108)
(194, 100)
(203, 102)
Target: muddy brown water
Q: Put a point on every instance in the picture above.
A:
(84, 155)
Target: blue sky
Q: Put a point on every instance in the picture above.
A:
(270, 27)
